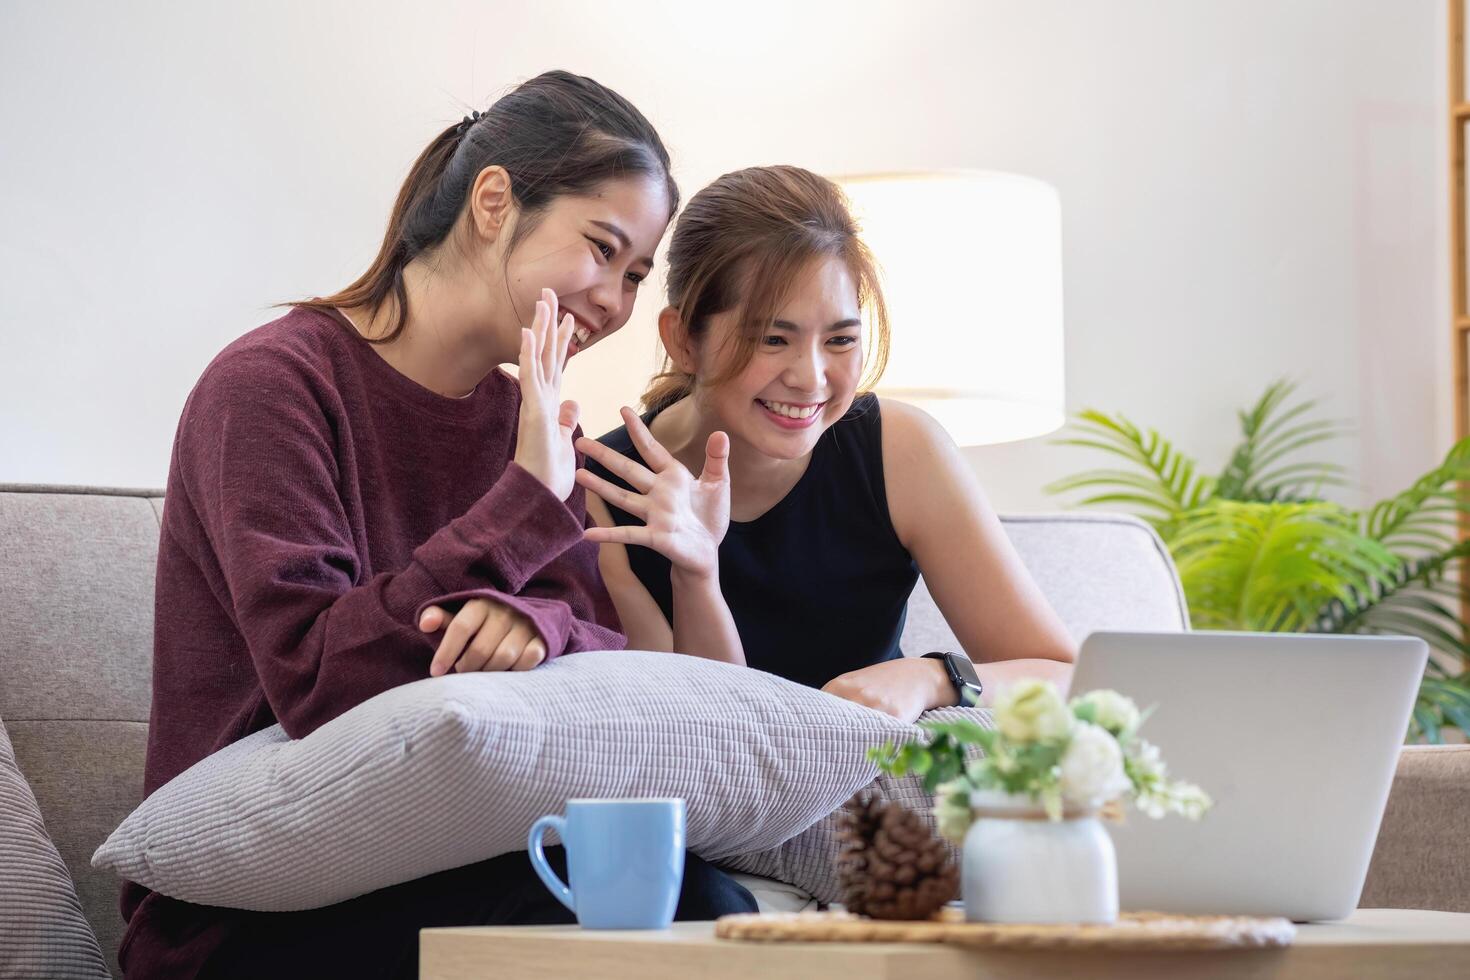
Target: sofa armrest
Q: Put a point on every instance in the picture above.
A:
(1426, 825)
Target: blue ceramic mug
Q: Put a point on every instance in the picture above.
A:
(625, 859)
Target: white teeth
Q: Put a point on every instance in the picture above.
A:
(791, 411)
(582, 333)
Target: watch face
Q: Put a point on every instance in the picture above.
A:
(965, 669)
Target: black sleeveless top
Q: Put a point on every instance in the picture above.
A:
(818, 584)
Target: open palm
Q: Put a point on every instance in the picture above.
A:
(544, 430)
(684, 517)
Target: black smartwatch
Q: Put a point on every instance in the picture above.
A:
(961, 671)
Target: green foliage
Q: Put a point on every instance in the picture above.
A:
(1272, 566)
(1258, 548)
(1418, 600)
(940, 761)
(1168, 485)
(1027, 769)
(1029, 755)
(1271, 431)
(1023, 768)
(1422, 518)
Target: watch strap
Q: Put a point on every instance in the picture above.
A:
(963, 685)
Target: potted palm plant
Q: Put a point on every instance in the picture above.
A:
(1259, 547)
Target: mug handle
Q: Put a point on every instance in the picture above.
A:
(538, 857)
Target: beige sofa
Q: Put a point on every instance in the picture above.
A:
(76, 607)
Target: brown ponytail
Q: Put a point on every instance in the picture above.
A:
(556, 134)
(742, 242)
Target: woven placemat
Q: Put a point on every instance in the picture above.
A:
(1133, 930)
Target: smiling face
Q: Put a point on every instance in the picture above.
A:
(593, 251)
(805, 370)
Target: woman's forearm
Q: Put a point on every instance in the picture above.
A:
(703, 626)
(1000, 674)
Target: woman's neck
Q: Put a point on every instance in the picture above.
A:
(757, 481)
(444, 345)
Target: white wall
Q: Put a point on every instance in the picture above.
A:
(1250, 189)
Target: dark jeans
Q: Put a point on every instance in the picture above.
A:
(376, 935)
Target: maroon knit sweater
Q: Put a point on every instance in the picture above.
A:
(317, 501)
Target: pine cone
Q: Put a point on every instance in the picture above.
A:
(891, 865)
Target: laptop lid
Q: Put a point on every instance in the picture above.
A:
(1295, 736)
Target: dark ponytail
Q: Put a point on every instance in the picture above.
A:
(556, 134)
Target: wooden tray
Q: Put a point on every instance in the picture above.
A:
(1132, 931)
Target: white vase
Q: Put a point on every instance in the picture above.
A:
(1020, 866)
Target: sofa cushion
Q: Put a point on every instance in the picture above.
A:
(77, 612)
(43, 932)
(1097, 571)
(76, 643)
(1426, 822)
(452, 770)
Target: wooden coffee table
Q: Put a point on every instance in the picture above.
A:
(1382, 944)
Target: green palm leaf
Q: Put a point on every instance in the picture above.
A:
(1258, 566)
(1162, 483)
(1425, 516)
(1417, 600)
(1272, 432)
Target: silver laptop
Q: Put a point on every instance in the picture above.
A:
(1296, 737)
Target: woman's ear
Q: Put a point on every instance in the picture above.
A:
(491, 203)
(677, 342)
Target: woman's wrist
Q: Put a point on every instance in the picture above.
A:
(682, 578)
(942, 693)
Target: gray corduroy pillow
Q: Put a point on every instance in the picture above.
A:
(452, 770)
(43, 932)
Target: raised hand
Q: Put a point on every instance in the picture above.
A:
(684, 517)
(544, 435)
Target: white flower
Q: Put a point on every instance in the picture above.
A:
(1091, 770)
(1190, 801)
(1153, 806)
(1110, 709)
(1032, 711)
(1185, 799)
(1148, 764)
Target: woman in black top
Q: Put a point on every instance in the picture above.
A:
(795, 549)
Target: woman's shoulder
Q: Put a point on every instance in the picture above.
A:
(880, 416)
(918, 456)
(912, 441)
(298, 346)
(906, 423)
(288, 367)
(890, 445)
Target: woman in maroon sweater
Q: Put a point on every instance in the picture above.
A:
(359, 498)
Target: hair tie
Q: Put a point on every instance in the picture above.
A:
(468, 121)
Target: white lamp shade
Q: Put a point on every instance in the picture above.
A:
(972, 272)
